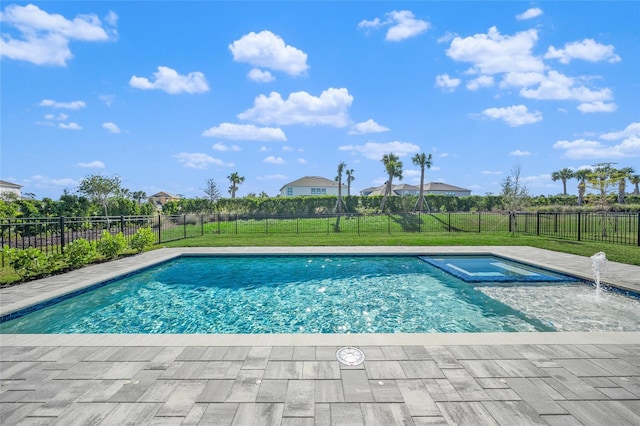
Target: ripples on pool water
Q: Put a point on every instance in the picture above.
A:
(313, 295)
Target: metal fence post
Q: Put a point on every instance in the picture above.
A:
(479, 223)
(579, 226)
(449, 220)
(159, 229)
(201, 225)
(538, 224)
(184, 225)
(122, 224)
(62, 235)
(389, 223)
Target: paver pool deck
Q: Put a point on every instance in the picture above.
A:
(564, 378)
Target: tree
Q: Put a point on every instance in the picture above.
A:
(562, 175)
(581, 176)
(514, 195)
(603, 179)
(423, 161)
(235, 180)
(138, 196)
(622, 175)
(393, 167)
(339, 204)
(635, 180)
(212, 192)
(100, 189)
(351, 178)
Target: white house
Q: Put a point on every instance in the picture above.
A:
(440, 188)
(312, 185)
(437, 188)
(11, 188)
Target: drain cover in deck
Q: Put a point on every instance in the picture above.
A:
(350, 356)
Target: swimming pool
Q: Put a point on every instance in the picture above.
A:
(300, 294)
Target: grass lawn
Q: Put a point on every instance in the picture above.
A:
(616, 253)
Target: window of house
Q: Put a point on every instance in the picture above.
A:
(318, 191)
(289, 191)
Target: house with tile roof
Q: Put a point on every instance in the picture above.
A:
(311, 185)
(438, 188)
(161, 198)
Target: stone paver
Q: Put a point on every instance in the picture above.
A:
(439, 379)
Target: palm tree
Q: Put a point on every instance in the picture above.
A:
(622, 175)
(635, 180)
(581, 175)
(393, 167)
(563, 175)
(139, 196)
(350, 179)
(235, 180)
(341, 167)
(423, 161)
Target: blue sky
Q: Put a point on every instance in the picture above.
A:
(167, 95)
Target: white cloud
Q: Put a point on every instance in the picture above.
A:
(491, 172)
(494, 53)
(92, 165)
(375, 151)
(287, 148)
(406, 26)
(39, 181)
(301, 161)
(197, 160)
(111, 127)
(482, 81)
(584, 149)
(247, 132)
(587, 50)
(268, 50)
(516, 115)
(59, 117)
(107, 99)
(330, 108)
(260, 76)
(632, 130)
(557, 86)
(170, 81)
(224, 148)
(368, 126)
(534, 12)
(274, 160)
(521, 79)
(70, 126)
(44, 37)
(64, 105)
(446, 83)
(271, 177)
(402, 25)
(519, 153)
(597, 106)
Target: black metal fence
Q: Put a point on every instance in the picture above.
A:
(53, 233)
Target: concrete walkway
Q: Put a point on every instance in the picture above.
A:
(468, 379)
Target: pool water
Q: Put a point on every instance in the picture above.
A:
(298, 294)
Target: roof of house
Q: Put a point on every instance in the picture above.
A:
(313, 181)
(163, 194)
(441, 186)
(9, 184)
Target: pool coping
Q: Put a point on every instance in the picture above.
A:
(22, 296)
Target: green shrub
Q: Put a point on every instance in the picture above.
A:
(111, 246)
(80, 252)
(142, 239)
(29, 262)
